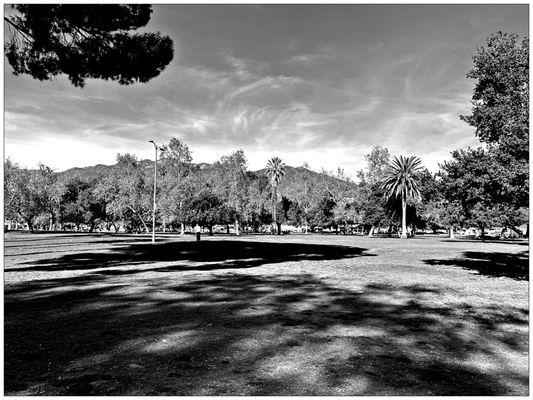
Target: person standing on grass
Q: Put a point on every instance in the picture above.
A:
(198, 230)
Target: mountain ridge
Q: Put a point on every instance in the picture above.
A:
(289, 186)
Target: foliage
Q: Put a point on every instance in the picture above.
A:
(377, 162)
(26, 192)
(500, 113)
(80, 205)
(86, 41)
(205, 208)
(468, 180)
(127, 193)
(174, 167)
(322, 213)
(258, 205)
(500, 101)
(231, 182)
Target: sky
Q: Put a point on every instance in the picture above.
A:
(307, 83)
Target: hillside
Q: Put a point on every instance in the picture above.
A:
(295, 174)
(287, 185)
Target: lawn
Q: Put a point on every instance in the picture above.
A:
(264, 315)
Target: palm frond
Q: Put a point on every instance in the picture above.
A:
(275, 170)
(399, 180)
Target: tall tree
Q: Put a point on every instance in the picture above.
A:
(204, 207)
(469, 180)
(232, 183)
(52, 191)
(25, 193)
(275, 170)
(127, 193)
(175, 166)
(427, 209)
(377, 162)
(500, 103)
(258, 204)
(80, 205)
(400, 181)
(369, 200)
(500, 113)
(85, 41)
(305, 194)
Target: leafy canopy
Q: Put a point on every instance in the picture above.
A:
(500, 102)
(85, 41)
(500, 113)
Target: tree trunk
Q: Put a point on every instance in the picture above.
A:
(404, 218)
(210, 230)
(278, 225)
(92, 227)
(371, 231)
(30, 224)
(452, 235)
(482, 233)
(182, 229)
(237, 233)
(140, 218)
(227, 229)
(52, 220)
(274, 201)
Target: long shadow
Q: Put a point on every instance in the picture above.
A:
(207, 255)
(238, 334)
(493, 264)
(515, 242)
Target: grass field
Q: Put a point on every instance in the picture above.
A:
(264, 315)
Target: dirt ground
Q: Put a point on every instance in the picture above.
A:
(264, 315)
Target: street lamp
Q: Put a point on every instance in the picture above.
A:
(155, 187)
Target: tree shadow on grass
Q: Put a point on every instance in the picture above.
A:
(206, 255)
(493, 264)
(240, 334)
(515, 242)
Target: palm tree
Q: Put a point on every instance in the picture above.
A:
(400, 181)
(275, 169)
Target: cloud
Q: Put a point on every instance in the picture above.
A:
(277, 82)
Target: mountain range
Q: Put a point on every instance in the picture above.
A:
(292, 174)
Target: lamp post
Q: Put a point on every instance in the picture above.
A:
(155, 187)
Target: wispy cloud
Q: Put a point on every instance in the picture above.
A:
(322, 88)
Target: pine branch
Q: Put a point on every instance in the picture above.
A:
(23, 32)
